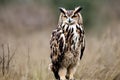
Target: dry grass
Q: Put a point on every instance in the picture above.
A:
(101, 60)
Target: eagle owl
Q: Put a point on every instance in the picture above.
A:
(67, 44)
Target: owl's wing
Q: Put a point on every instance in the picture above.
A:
(57, 45)
(82, 44)
(82, 48)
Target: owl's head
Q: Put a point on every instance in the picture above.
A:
(70, 17)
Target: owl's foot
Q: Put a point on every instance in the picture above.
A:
(68, 78)
(62, 73)
(72, 79)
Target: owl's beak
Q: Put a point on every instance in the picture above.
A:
(69, 20)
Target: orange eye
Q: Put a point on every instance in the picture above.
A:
(74, 16)
(65, 16)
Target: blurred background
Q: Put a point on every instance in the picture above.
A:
(25, 29)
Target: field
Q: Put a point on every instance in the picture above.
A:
(24, 46)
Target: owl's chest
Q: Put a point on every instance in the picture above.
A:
(72, 35)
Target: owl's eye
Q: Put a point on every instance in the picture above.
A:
(65, 16)
(74, 16)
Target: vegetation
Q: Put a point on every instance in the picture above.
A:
(25, 28)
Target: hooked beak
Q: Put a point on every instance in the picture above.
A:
(69, 20)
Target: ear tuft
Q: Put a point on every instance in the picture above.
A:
(63, 10)
(78, 9)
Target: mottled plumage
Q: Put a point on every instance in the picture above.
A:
(67, 44)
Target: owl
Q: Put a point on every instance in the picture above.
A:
(67, 44)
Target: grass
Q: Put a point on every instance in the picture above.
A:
(101, 60)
